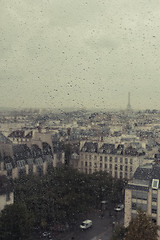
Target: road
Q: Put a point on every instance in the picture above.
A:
(101, 229)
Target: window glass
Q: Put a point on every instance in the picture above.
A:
(155, 183)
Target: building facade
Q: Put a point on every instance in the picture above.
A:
(143, 192)
(118, 160)
(22, 159)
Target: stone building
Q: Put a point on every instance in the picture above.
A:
(20, 159)
(143, 192)
(119, 160)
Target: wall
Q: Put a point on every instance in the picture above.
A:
(3, 201)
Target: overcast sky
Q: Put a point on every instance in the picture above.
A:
(80, 53)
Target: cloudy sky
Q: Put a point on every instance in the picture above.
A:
(80, 53)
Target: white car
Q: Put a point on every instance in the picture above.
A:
(86, 224)
(119, 207)
(46, 234)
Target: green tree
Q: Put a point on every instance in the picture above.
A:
(118, 232)
(65, 194)
(15, 222)
(68, 152)
(142, 227)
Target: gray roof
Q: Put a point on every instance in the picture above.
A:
(90, 147)
(4, 139)
(145, 173)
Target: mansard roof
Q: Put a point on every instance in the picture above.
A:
(20, 134)
(90, 147)
(146, 173)
(46, 149)
(17, 134)
(108, 148)
(4, 139)
(21, 151)
(36, 151)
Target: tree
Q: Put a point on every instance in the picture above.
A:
(142, 227)
(68, 152)
(15, 222)
(65, 194)
(118, 232)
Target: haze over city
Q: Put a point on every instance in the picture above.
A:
(79, 53)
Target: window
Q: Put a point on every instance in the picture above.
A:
(155, 183)
(154, 220)
(106, 159)
(115, 174)
(154, 211)
(110, 166)
(105, 165)
(130, 169)
(137, 194)
(134, 206)
(95, 165)
(90, 157)
(121, 160)
(86, 164)
(115, 167)
(110, 159)
(30, 169)
(131, 161)
(81, 164)
(100, 158)
(126, 160)
(21, 164)
(8, 166)
(154, 199)
(121, 167)
(126, 168)
(95, 157)
(90, 164)
(121, 175)
(100, 165)
(142, 206)
(115, 159)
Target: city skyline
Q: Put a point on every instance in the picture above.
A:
(79, 54)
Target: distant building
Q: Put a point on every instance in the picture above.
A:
(143, 191)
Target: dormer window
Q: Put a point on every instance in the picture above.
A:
(155, 183)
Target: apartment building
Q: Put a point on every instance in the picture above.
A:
(23, 158)
(32, 160)
(143, 192)
(117, 159)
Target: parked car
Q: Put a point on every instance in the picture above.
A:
(46, 234)
(86, 224)
(119, 207)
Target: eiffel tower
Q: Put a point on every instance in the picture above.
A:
(129, 104)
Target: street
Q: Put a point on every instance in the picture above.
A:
(101, 229)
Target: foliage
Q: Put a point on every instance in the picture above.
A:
(15, 222)
(142, 227)
(67, 148)
(63, 195)
(118, 232)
